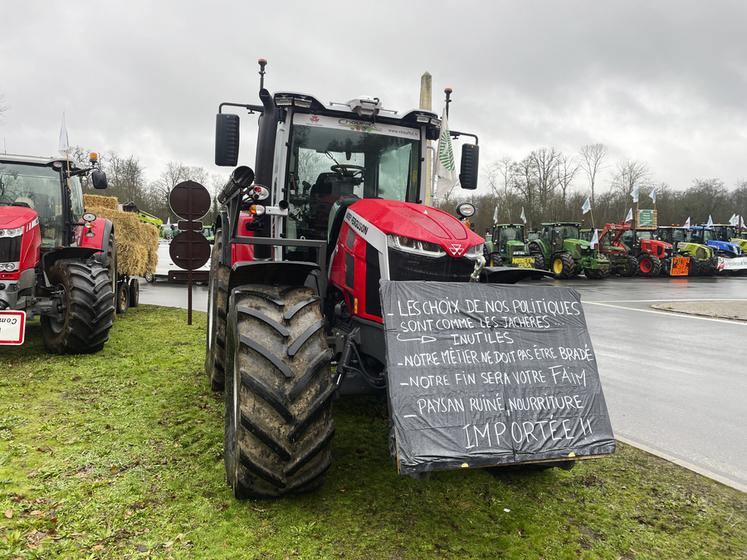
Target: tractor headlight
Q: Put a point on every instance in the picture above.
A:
(14, 232)
(416, 246)
(8, 267)
(475, 251)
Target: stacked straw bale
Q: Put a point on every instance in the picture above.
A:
(137, 242)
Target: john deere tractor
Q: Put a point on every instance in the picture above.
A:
(510, 248)
(566, 254)
(704, 257)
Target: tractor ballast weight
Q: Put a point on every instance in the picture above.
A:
(56, 260)
(299, 251)
(565, 254)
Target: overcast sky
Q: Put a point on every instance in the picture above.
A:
(663, 82)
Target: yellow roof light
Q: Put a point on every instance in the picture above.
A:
(93, 157)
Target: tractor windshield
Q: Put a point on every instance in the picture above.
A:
(37, 187)
(336, 158)
(568, 231)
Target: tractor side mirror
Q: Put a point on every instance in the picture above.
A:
(98, 178)
(226, 139)
(468, 170)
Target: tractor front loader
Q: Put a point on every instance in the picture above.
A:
(566, 254)
(56, 261)
(300, 248)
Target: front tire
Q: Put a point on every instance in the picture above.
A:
(215, 349)
(278, 417)
(649, 266)
(87, 308)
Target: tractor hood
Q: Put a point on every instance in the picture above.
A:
(725, 246)
(416, 221)
(12, 217)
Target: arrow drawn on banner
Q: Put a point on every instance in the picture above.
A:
(424, 338)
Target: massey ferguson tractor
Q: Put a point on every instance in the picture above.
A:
(566, 254)
(335, 206)
(56, 261)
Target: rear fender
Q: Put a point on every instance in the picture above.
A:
(101, 228)
(284, 273)
(72, 253)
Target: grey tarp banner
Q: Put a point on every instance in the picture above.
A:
(486, 374)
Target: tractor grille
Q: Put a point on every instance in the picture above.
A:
(10, 249)
(406, 266)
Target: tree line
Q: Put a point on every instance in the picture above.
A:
(127, 181)
(550, 186)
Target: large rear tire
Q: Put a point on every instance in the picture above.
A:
(278, 397)
(87, 308)
(539, 261)
(215, 349)
(631, 266)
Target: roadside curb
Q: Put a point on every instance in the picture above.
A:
(686, 464)
(662, 307)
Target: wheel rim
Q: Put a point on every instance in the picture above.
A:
(557, 266)
(122, 301)
(646, 265)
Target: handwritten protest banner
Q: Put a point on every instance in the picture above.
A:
(483, 374)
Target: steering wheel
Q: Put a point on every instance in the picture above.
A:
(348, 169)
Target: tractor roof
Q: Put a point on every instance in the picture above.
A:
(359, 107)
(36, 160)
(577, 224)
(509, 225)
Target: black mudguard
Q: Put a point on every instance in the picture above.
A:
(286, 273)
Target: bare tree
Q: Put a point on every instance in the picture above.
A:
(592, 161)
(566, 171)
(545, 162)
(174, 174)
(630, 173)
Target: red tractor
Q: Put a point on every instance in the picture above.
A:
(300, 248)
(633, 252)
(56, 261)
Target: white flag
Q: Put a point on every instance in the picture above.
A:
(523, 215)
(495, 214)
(446, 171)
(734, 220)
(710, 222)
(741, 220)
(652, 194)
(595, 239)
(587, 206)
(63, 145)
(634, 193)
(629, 217)
(687, 223)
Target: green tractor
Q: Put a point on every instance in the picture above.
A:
(704, 258)
(565, 254)
(510, 248)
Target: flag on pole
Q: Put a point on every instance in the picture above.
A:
(587, 206)
(523, 215)
(710, 221)
(687, 223)
(734, 220)
(63, 145)
(495, 214)
(652, 194)
(446, 170)
(595, 239)
(629, 217)
(634, 193)
(741, 220)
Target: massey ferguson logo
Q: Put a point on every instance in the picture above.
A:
(314, 119)
(456, 249)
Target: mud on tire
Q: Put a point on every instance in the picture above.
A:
(279, 389)
(87, 308)
(215, 349)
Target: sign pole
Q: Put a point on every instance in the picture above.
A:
(189, 296)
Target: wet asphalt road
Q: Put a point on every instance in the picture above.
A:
(675, 385)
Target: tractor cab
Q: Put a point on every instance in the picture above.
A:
(730, 234)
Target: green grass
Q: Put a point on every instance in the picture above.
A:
(118, 455)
